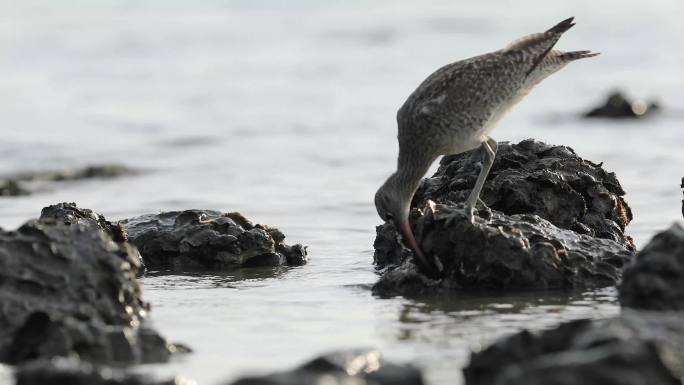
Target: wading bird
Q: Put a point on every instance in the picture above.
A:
(455, 109)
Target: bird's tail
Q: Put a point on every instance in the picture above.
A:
(555, 60)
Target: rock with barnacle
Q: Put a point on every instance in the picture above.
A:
(557, 221)
(207, 239)
(68, 288)
(634, 348)
(353, 367)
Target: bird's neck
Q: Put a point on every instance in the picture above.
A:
(405, 181)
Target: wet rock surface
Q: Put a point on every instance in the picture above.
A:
(356, 367)
(518, 252)
(207, 239)
(66, 288)
(75, 372)
(655, 278)
(618, 106)
(556, 222)
(533, 177)
(70, 213)
(635, 348)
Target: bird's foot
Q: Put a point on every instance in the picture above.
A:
(451, 214)
(485, 208)
(471, 209)
(470, 213)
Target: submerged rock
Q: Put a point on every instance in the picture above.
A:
(74, 372)
(18, 184)
(655, 278)
(356, 367)
(618, 106)
(89, 172)
(201, 239)
(11, 188)
(635, 348)
(69, 288)
(557, 222)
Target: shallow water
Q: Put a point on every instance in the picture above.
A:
(285, 112)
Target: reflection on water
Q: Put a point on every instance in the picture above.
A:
(463, 304)
(197, 279)
(460, 324)
(488, 315)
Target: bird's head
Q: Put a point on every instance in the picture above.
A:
(393, 205)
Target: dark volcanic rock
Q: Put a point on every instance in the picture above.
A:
(74, 372)
(618, 106)
(360, 367)
(557, 222)
(514, 252)
(201, 239)
(533, 177)
(71, 289)
(655, 278)
(69, 213)
(634, 349)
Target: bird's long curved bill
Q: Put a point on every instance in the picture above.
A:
(411, 240)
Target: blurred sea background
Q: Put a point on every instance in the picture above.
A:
(285, 111)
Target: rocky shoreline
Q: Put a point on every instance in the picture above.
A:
(72, 309)
(73, 312)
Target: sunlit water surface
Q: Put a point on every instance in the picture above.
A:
(285, 112)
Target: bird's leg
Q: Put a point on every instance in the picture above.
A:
(489, 146)
(449, 213)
